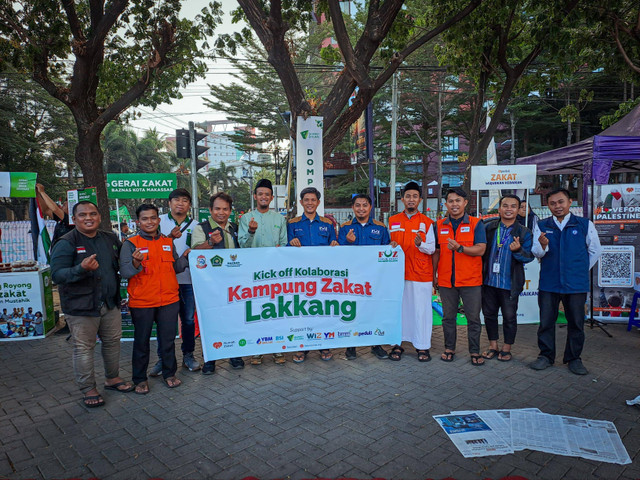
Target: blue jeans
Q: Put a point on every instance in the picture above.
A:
(187, 320)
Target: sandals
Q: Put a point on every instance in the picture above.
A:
(423, 355)
(477, 360)
(173, 382)
(447, 356)
(128, 387)
(299, 357)
(93, 401)
(489, 354)
(396, 353)
(142, 388)
(326, 355)
(504, 356)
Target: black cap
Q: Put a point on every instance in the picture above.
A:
(412, 186)
(180, 192)
(264, 183)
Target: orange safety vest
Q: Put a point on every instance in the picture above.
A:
(468, 269)
(156, 285)
(418, 266)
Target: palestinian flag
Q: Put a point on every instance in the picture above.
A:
(39, 233)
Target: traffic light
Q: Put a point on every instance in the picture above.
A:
(183, 145)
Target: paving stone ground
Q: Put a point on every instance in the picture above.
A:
(366, 418)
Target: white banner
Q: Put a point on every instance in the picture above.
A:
(528, 310)
(309, 165)
(502, 177)
(286, 299)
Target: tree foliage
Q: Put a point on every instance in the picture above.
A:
(100, 57)
(275, 20)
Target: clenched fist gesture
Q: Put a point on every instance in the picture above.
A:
(175, 232)
(253, 226)
(544, 241)
(515, 245)
(90, 263)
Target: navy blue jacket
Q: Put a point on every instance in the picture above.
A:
(565, 265)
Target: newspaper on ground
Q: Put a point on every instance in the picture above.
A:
(487, 432)
(595, 440)
(472, 436)
(538, 431)
(498, 420)
(635, 401)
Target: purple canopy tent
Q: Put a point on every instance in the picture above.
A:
(616, 149)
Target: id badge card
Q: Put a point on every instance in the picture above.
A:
(496, 267)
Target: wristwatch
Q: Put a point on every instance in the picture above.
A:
(460, 249)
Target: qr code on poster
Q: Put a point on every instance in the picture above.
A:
(616, 266)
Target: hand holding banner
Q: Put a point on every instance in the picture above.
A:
(272, 300)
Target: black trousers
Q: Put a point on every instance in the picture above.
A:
(166, 319)
(573, 303)
(494, 299)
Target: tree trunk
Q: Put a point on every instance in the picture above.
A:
(512, 119)
(89, 156)
(425, 180)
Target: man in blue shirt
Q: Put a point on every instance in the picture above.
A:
(568, 247)
(310, 230)
(508, 249)
(363, 230)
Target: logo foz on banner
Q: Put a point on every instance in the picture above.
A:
(298, 299)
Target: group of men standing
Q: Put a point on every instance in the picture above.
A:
(466, 259)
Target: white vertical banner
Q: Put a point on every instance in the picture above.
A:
(492, 159)
(309, 165)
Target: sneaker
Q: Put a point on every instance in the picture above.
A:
(209, 367)
(379, 352)
(156, 370)
(190, 363)
(236, 363)
(256, 360)
(278, 358)
(541, 363)
(350, 353)
(577, 367)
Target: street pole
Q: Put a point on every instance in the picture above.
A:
(194, 173)
(369, 138)
(394, 133)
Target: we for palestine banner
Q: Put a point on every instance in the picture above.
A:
(268, 300)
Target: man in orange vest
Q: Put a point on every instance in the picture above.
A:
(460, 243)
(412, 231)
(150, 262)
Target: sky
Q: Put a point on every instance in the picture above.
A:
(166, 118)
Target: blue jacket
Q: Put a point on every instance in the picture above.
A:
(318, 232)
(372, 233)
(565, 265)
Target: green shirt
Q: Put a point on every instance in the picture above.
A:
(198, 237)
(271, 232)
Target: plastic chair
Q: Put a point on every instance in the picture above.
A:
(632, 315)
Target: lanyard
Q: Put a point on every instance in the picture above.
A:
(507, 232)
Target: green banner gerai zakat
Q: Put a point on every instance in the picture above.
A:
(290, 299)
(18, 184)
(140, 185)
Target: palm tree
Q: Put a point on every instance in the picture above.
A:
(223, 176)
